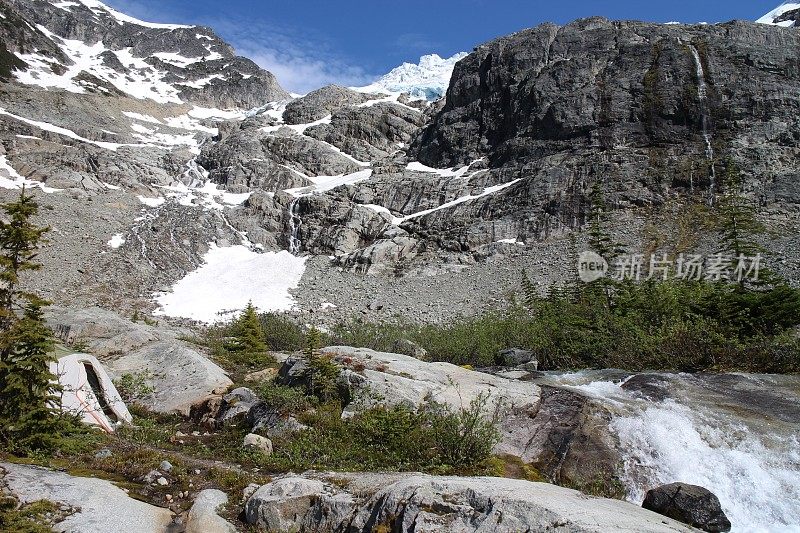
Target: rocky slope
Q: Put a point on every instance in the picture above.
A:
(162, 142)
(398, 502)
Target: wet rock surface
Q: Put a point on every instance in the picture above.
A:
(689, 504)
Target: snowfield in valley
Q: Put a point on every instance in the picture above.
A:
(230, 278)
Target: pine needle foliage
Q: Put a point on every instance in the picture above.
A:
(30, 420)
(247, 343)
(322, 375)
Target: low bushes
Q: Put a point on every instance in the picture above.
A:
(434, 440)
(671, 326)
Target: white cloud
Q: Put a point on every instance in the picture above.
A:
(301, 63)
(300, 72)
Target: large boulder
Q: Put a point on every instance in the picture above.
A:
(203, 517)
(516, 357)
(237, 403)
(690, 504)
(257, 442)
(103, 506)
(293, 372)
(286, 505)
(402, 379)
(421, 503)
(408, 347)
(265, 418)
(176, 375)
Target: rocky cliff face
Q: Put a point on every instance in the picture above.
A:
(453, 197)
(650, 111)
(786, 15)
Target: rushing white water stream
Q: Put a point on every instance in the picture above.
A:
(294, 226)
(702, 95)
(737, 435)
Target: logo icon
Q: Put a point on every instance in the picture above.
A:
(591, 266)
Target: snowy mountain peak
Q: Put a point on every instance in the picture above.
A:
(786, 15)
(85, 46)
(102, 10)
(426, 80)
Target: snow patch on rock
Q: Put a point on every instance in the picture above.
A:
(116, 241)
(770, 17)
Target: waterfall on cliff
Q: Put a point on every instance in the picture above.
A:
(294, 226)
(702, 95)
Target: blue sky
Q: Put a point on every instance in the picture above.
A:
(309, 43)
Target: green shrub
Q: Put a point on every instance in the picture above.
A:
(281, 333)
(284, 399)
(29, 518)
(666, 325)
(436, 440)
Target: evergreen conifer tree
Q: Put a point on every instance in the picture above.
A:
(602, 243)
(530, 295)
(248, 333)
(323, 373)
(29, 416)
(247, 344)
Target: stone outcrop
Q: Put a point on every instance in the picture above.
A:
(241, 160)
(414, 502)
(101, 505)
(402, 379)
(203, 517)
(564, 435)
(322, 102)
(369, 133)
(178, 375)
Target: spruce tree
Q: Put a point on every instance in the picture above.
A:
(602, 243)
(248, 335)
(248, 344)
(530, 294)
(20, 241)
(29, 408)
(322, 373)
(29, 416)
(313, 341)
